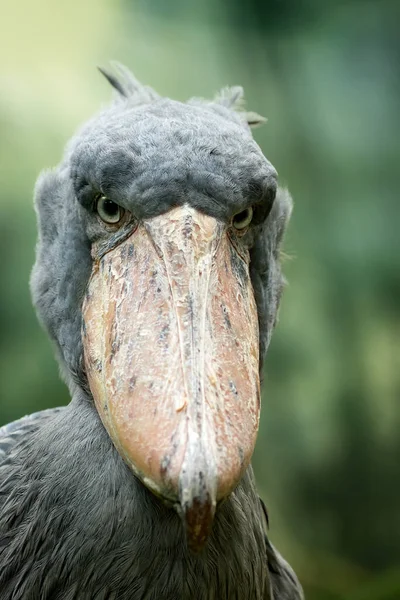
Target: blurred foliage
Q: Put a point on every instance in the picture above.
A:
(327, 76)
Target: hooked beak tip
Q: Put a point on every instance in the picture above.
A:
(198, 516)
(197, 493)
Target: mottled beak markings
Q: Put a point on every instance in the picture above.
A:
(171, 352)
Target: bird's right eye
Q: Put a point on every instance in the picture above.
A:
(243, 219)
(110, 212)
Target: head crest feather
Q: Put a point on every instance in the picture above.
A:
(126, 84)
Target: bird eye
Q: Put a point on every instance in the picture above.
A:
(109, 211)
(243, 219)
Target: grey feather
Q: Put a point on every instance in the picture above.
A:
(17, 431)
(233, 97)
(127, 85)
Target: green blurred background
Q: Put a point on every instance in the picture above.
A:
(326, 74)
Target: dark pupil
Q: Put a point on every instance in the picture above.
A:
(242, 216)
(110, 208)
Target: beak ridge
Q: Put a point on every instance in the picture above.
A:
(179, 393)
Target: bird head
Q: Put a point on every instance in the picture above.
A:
(158, 278)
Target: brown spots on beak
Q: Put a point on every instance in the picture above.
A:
(171, 351)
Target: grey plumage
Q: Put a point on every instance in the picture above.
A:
(74, 521)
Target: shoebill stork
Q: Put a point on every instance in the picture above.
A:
(157, 277)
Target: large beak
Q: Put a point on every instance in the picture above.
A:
(171, 353)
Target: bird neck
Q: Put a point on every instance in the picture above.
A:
(99, 528)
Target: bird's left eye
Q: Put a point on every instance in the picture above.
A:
(243, 219)
(109, 211)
